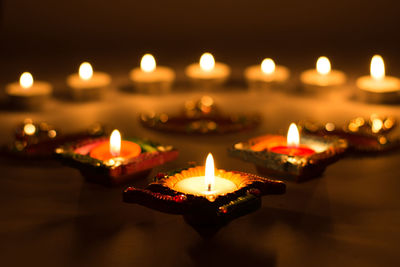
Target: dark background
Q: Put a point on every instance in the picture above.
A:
(49, 216)
(237, 32)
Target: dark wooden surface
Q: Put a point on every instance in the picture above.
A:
(51, 216)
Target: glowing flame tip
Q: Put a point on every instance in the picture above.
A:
(26, 80)
(148, 63)
(293, 136)
(115, 143)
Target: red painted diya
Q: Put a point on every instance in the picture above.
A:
(364, 135)
(114, 161)
(206, 208)
(290, 158)
(39, 139)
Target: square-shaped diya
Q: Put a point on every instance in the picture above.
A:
(364, 135)
(114, 161)
(290, 157)
(38, 140)
(208, 198)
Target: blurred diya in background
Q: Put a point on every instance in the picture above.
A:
(378, 87)
(208, 74)
(27, 93)
(266, 75)
(322, 78)
(87, 84)
(200, 117)
(366, 135)
(112, 161)
(208, 198)
(40, 139)
(290, 157)
(150, 78)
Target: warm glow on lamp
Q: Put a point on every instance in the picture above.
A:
(268, 66)
(148, 63)
(209, 173)
(85, 71)
(323, 65)
(115, 143)
(26, 80)
(377, 68)
(293, 136)
(207, 62)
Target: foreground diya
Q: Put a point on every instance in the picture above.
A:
(40, 139)
(364, 135)
(208, 198)
(273, 155)
(200, 117)
(115, 161)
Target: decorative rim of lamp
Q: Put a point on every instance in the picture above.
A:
(206, 214)
(299, 168)
(112, 172)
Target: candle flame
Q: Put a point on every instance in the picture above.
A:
(115, 143)
(268, 66)
(377, 68)
(148, 63)
(207, 62)
(323, 65)
(209, 172)
(26, 80)
(293, 136)
(85, 71)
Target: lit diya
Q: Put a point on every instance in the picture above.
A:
(114, 161)
(208, 198)
(364, 135)
(291, 157)
(200, 117)
(40, 139)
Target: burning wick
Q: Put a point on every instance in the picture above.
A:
(209, 172)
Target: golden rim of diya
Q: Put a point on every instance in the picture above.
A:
(281, 165)
(240, 179)
(116, 170)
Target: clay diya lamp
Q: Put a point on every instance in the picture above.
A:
(364, 135)
(291, 157)
(200, 117)
(39, 140)
(208, 198)
(114, 161)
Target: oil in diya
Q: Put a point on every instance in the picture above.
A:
(208, 74)
(150, 78)
(115, 161)
(299, 159)
(87, 84)
(267, 75)
(27, 93)
(208, 198)
(378, 87)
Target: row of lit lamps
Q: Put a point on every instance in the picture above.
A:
(208, 72)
